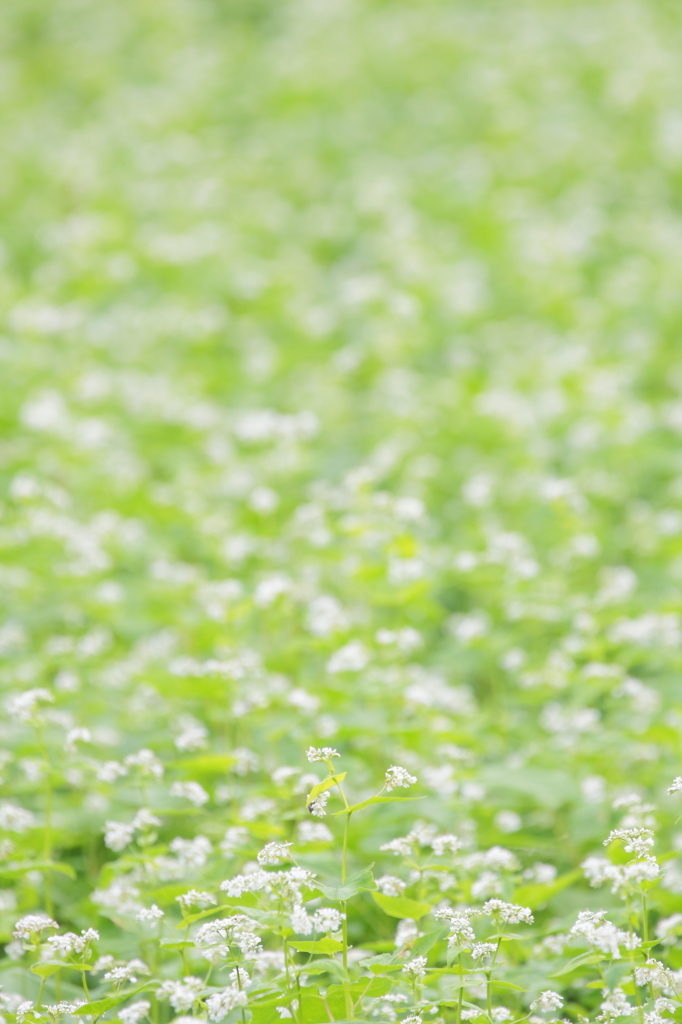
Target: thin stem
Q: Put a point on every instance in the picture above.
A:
(344, 872)
(460, 999)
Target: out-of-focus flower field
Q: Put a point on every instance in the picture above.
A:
(341, 408)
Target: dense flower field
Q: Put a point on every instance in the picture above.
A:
(341, 511)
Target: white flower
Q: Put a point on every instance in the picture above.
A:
(547, 1002)
(313, 832)
(318, 805)
(274, 853)
(439, 844)
(192, 852)
(352, 657)
(397, 777)
(655, 973)
(327, 919)
(321, 753)
(635, 840)
(300, 921)
(135, 1012)
(76, 735)
(191, 791)
(415, 969)
(147, 762)
(117, 835)
(23, 1009)
(24, 706)
(182, 994)
(31, 924)
(14, 818)
(152, 913)
(235, 837)
(676, 786)
(195, 898)
(480, 950)
(110, 771)
(510, 913)
(616, 1004)
(220, 1003)
(389, 885)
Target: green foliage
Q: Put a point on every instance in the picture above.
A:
(340, 412)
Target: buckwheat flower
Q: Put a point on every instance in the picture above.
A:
(182, 994)
(461, 932)
(313, 832)
(110, 771)
(32, 924)
(415, 969)
(500, 1014)
(194, 736)
(23, 1010)
(318, 805)
(249, 944)
(191, 791)
(135, 1012)
(401, 846)
(415, 1018)
(152, 913)
(480, 950)
(192, 852)
(196, 898)
(635, 840)
(139, 966)
(300, 920)
(327, 919)
(57, 1009)
(616, 1004)
(121, 974)
(274, 853)
(321, 753)
(76, 735)
(439, 844)
(24, 706)
(547, 1002)
(676, 786)
(389, 885)
(352, 657)
(235, 837)
(653, 971)
(14, 818)
(240, 977)
(147, 762)
(117, 835)
(510, 913)
(220, 1003)
(145, 820)
(397, 777)
(406, 931)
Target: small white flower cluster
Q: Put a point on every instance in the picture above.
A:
(547, 1002)
(321, 753)
(274, 853)
(397, 777)
(603, 935)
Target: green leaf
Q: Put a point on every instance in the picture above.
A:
(508, 984)
(46, 969)
(579, 961)
(39, 865)
(323, 786)
(428, 941)
(401, 906)
(102, 1005)
(377, 800)
(325, 945)
(351, 887)
(322, 967)
(176, 946)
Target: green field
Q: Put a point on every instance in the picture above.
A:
(340, 414)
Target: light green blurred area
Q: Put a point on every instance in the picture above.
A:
(440, 244)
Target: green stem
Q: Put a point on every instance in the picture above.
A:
(344, 871)
(460, 999)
